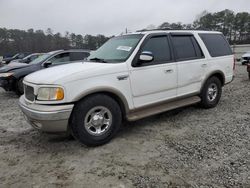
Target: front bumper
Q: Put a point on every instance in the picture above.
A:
(7, 83)
(47, 118)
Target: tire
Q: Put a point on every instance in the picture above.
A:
(249, 75)
(95, 120)
(19, 87)
(211, 92)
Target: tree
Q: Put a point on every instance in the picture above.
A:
(13, 41)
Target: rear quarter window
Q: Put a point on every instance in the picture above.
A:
(216, 44)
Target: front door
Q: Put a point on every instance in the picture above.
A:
(154, 81)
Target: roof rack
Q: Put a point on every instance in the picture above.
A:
(170, 29)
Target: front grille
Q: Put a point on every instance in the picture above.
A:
(29, 93)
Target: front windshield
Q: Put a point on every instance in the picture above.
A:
(117, 49)
(40, 59)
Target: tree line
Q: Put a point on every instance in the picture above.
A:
(14, 40)
(235, 26)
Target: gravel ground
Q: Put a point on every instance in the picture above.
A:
(188, 147)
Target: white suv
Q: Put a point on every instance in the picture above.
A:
(128, 78)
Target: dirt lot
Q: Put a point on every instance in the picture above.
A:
(189, 147)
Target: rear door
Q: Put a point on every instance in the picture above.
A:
(155, 81)
(191, 63)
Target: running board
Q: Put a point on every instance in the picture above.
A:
(149, 111)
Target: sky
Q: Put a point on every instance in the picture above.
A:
(107, 17)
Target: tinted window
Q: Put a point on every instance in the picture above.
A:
(186, 47)
(216, 44)
(60, 58)
(76, 56)
(159, 46)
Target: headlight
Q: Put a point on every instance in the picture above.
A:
(50, 94)
(5, 75)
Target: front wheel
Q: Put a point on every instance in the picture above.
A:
(96, 120)
(211, 92)
(19, 87)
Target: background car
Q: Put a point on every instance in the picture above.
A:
(28, 58)
(245, 58)
(7, 60)
(11, 76)
(248, 70)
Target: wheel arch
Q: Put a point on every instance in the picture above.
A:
(219, 74)
(113, 93)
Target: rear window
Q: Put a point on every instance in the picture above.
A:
(216, 44)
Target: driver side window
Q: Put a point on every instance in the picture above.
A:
(159, 46)
(60, 59)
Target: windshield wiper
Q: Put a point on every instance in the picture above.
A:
(98, 60)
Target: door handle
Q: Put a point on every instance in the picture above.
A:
(169, 71)
(204, 65)
(122, 77)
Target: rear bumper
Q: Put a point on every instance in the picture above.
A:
(47, 118)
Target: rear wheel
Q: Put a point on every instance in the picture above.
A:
(211, 92)
(249, 75)
(96, 120)
(19, 87)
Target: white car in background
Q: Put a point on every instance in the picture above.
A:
(245, 59)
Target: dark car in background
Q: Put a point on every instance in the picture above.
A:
(11, 76)
(28, 58)
(7, 60)
(248, 70)
(245, 58)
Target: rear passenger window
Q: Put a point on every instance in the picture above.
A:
(186, 47)
(76, 56)
(216, 44)
(159, 46)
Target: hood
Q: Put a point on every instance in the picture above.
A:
(74, 71)
(12, 66)
(16, 61)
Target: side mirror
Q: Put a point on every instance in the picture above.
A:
(47, 64)
(146, 57)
